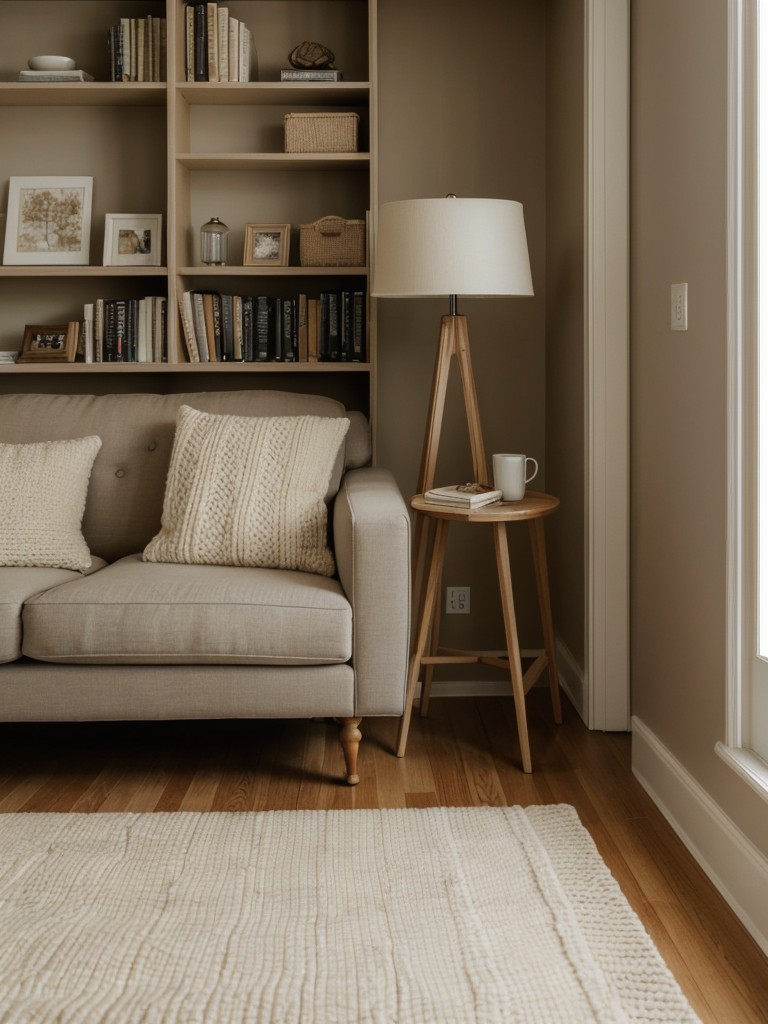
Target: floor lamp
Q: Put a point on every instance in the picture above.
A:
(451, 247)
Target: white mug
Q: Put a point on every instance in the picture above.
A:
(510, 475)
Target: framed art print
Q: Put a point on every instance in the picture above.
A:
(133, 239)
(49, 221)
(266, 245)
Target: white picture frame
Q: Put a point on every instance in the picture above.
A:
(133, 239)
(49, 221)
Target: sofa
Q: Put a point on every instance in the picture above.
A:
(130, 639)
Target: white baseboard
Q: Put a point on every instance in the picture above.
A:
(737, 869)
(572, 679)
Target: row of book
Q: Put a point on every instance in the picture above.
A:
(125, 330)
(137, 50)
(266, 328)
(218, 47)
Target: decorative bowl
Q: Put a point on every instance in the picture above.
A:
(51, 63)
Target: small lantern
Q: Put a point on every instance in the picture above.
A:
(213, 242)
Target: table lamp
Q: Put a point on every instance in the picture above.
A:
(451, 247)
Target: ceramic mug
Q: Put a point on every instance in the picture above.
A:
(510, 475)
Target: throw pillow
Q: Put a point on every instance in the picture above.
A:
(43, 486)
(247, 490)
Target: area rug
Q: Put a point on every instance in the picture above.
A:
(434, 916)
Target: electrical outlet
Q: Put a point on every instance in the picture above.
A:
(679, 313)
(457, 600)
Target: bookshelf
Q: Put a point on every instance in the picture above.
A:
(190, 151)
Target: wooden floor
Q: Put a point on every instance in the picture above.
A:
(464, 754)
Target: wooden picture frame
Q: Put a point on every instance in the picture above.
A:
(133, 239)
(266, 245)
(50, 343)
(49, 221)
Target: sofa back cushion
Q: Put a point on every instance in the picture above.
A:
(125, 495)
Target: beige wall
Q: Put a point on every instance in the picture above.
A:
(678, 392)
(462, 101)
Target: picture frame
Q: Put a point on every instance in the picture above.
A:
(266, 245)
(50, 343)
(133, 239)
(49, 221)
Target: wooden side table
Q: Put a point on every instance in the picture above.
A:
(532, 509)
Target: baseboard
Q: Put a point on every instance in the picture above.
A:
(737, 869)
(572, 679)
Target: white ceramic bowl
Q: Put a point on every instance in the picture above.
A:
(50, 63)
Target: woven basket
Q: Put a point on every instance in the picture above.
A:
(332, 242)
(321, 133)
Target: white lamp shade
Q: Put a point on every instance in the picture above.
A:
(451, 247)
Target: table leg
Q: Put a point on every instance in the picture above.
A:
(424, 629)
(539, 548)
(434, 642)
(513, 645)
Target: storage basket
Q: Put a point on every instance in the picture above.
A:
(321, 133)
(332, 242)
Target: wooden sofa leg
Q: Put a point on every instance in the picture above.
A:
(350, 737)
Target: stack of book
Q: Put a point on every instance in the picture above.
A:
(310, 75)
(266, 328)
(218, 47)
(125, 330)
(137, 50)
(472, 495)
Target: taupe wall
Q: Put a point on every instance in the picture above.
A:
(565, 385)
(678, 391)
(463, 108)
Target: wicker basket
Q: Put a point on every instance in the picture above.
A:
(332, 242)
(321, 133)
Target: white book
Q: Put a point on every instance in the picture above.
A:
(248, 65)
(188, 326)
(471, 495)
(233, 57)
(142, 351)
(88, 316)
(223, 31)
(189, 44)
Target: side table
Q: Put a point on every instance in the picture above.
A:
(532, 509)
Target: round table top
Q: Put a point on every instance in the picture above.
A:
(532, 506)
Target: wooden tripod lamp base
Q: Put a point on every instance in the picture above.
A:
(454, 341)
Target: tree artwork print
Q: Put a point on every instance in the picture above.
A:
(50, 220)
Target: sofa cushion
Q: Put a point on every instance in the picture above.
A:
(17, 585)
(143, 612)
(249, 491)
(43, 486)
(125, 496)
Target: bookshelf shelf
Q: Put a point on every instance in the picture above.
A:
(189, 151)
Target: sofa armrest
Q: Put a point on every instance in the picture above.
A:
(371, 531)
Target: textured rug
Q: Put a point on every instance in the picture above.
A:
(445, 915)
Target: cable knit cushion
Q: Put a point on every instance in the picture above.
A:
(245, 490)
(43, 487)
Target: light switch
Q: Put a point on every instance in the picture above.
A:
(679, 319)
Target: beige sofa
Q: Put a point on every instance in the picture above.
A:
(131, 640)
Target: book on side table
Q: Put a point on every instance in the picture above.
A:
(472, 495)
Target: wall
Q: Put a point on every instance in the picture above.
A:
(679, 470)
(565, 343)
(462, 103)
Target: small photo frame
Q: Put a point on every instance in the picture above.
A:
(50, 343)
(133, 239)
(266, 245)
(49, 221)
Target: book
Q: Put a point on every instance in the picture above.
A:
(308, 75)
(55, 76)
(472, 495)
(201, 43)
(212, 16)
(233, 57)
(223, 38)
(248, 68)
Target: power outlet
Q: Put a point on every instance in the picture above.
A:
(679, 311)
(457, 600)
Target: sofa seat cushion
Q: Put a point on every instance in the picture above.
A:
(17, 585)
(136, 612)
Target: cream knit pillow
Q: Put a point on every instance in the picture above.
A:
(43, 487)
(246, 490)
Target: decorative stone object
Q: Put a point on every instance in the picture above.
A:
(311, 55)
(49, 62)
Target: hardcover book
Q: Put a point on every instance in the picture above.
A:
(472, 495)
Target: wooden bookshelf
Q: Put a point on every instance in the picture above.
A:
(190, 151)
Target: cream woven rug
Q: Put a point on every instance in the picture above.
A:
(446, 916)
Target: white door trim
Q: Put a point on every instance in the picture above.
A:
(607, 363)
